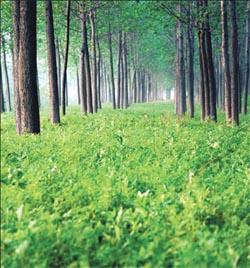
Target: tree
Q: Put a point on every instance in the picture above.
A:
(94, 64)
(27, 68)
(52, 67)
(247, 59)
(119, 71)
(6, 76)
(2, 108)
(87, 67)
(125, 71)
(191, 62)
(111, 66)
(66, 60)
(210, 66)
(16, 39)
(235, 65)
(181, 100)
(225, 60)
(83, 92)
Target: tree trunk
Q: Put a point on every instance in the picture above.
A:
(205, 75)
(181, 64)
(122, 76)
(6, 77)
(94, 65)
(17, 104)
(52, 68)
(210, 65)
(99, 75)
(83, 92)
(191, 63)
(27, 68)
(111, 67)
(135, 86)
(2, 108)
(78, 86)
(125, 50)
(59, 71)
(87, 67)
(202, 86)
(247, 64)
(235, 65)
(119, 71)
(66, 61)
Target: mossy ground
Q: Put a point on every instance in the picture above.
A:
(134, 188)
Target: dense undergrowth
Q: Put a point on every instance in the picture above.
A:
(134, 188)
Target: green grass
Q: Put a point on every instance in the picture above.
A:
(134, 188)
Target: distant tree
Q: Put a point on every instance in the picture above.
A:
(111, 66)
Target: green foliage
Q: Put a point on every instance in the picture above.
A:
(134, 188)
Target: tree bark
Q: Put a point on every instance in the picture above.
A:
(66, 60)
(27, 68)
(235, 65)
(52, 67)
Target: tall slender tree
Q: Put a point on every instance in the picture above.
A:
(16, 40)
(87, 67)
(210, 66)
(235, 64)
(58, 70)
(94, 63)
(83, 90)
(225, 60)
(7, 83)
(64, 81)
(52, 67)
(2, 107)
(191, 61)
(111, 66)
(247, 61)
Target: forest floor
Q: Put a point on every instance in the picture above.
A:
(126, 189)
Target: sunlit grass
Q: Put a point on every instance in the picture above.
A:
(130, 188)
